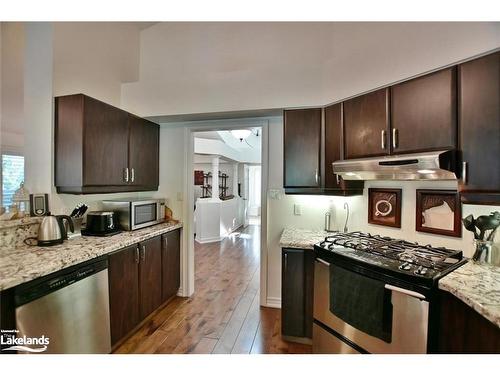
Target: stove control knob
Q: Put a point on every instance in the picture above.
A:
(421, 271)
(405, 266)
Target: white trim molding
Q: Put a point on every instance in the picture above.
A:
(274, 302)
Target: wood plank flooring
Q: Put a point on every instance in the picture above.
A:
(223, 316)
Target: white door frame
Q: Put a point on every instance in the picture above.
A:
(187, 256)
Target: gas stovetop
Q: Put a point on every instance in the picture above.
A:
(403, 259)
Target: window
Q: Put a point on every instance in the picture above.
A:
(12, 176)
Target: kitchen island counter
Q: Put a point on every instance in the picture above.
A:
(24, 263)
(302, 238)
(478, 286)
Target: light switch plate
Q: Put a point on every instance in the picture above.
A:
(297, 209)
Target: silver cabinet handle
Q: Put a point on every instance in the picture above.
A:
(137, 254)
(404, 291)
(132, 175)
(338, 179)
(165, 241)
(125, 174)
(286, 261)
(316, 175)
(323, 262)
(464, 172)
(382, 139)
(394, 138)
(143, 257)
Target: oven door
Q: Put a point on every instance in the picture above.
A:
(409, 322)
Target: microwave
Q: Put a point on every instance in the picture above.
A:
(137, 213)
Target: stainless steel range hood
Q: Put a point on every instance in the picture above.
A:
(436, 165)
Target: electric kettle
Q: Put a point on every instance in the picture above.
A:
(52, 230)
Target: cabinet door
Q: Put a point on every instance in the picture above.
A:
(150, 276)
(302, 148)
(123, 273)
(144, 152)
(171, 263)
(479, 118)
(105, 144)
(297, 292)
(423, 113)
(366, 125)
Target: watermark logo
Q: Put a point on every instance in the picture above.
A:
(10, 341)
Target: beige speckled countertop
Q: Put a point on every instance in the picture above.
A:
(25, 263)
(478, 286)
(302, 238)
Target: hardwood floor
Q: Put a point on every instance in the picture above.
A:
(223, 315)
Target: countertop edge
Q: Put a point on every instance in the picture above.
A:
(120, 244)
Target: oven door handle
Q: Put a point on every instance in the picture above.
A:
(404, 291)
(323, 262)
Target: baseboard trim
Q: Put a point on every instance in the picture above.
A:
(274, 302)
(209, 240)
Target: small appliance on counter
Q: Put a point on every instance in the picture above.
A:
(101, 224)
(52, 230)
(138, 213)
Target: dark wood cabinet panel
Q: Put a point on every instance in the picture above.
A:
(423, 113)
(144, 152)
(105, 144)
(333, 152)
(479, 124)
(297, 293)
(170, 260)
(123, 274)
(302, 148)
(463, 330)
(366, 125)
(150, 276)
(95, 145)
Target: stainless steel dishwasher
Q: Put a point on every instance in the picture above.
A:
(70, 307)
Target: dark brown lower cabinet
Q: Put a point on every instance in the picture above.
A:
(137, 276)
(150, 276)
(170, 263)
(297, 283)
(463, 330)
(123, 274)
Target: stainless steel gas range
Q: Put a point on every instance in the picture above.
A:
(375, 294)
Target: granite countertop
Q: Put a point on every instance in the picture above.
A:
(477, 285)
(302, 238)
(25, 263)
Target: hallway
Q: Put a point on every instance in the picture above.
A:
(223, 316)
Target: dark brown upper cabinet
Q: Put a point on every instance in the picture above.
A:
(333, 152)
(479, 124)
(366, 125)
(423, 113)
(143, 152)
(97, 145)
(302, 148)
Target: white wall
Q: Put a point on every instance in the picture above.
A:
(214, 67)
(12, 96)
(95, 58)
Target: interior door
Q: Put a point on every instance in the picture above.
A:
(366, 125)
(150, 276)
(246, 193)
(144, 152)
(302, 148)
(123, 273)
(105, 144)
(423, 113)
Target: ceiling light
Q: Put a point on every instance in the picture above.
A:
(241, 134)
(426, 171)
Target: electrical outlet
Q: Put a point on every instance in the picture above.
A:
(297, 209)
